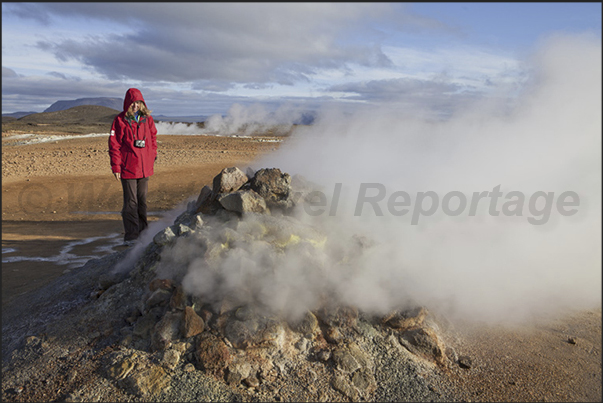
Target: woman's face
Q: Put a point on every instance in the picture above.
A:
(135, 106)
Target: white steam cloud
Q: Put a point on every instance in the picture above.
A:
(240, 121)
(497, 259)
(187, 129)
(255, 118)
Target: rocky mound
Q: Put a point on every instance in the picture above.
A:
(200, 313)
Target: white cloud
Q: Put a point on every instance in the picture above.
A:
(200, 58)
(457, 62)
(242, 42)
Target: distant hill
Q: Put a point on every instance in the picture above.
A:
(113, 103)
(82, 115)
(16, 115)
(7, 119)
(79, 119)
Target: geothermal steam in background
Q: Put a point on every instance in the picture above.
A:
(239, 120)
(483, 266)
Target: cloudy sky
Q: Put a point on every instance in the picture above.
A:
(203, 58)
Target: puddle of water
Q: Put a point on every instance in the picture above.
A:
(72, 260)
(65, 257)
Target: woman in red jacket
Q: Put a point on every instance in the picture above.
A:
(133, 151)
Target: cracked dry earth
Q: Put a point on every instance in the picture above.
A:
(64, 340)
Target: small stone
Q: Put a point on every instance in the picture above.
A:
(164, 237)
(126, 340)
(465, 362)
(302, 345)
(205, 315)
(192, 324)
(159, 297)
(307, 325)
(324, 355)
(333, 335)
(212, 353)
(183, 230)
(252, 382)
(424, 342)
(178, 299)
(149, 382)
(571, 340)
(237, 372)
(229, 180)
(451, 354)
(144, 325)
(96, 293)
(406, 319)
(204, 201)
(121, 369)
(162, 283)
(242, 202)
(363, 381)
(197, 221)
(166, 330)
(244, 313)
(274, 186)
(340, 383)
(171, 358)
(345, 361)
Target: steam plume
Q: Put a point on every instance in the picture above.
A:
(240, 120)
(481, 266)
(178, 128)
(486, 267)
(251, 119)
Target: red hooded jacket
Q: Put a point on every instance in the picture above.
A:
(132, 162)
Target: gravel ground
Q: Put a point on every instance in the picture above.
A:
(551, 359)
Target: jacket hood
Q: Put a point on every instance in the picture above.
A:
(132, 95)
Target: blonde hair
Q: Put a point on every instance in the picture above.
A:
(142, 109)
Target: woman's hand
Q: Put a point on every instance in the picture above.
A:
(117, 175)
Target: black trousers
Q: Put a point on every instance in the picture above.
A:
(134, 211)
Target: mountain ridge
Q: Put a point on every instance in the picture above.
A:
(81, 119)
(113, 103)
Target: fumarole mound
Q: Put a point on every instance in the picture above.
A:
(230, 302)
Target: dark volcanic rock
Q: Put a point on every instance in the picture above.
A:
(274, 186)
